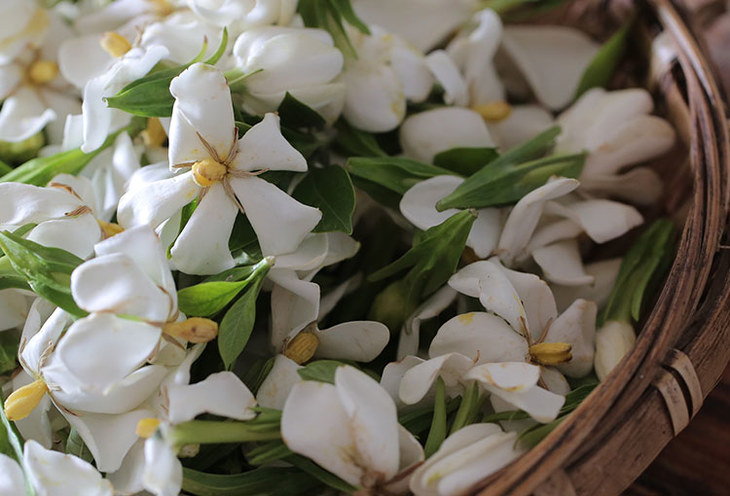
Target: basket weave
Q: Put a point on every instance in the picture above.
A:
(685, 342)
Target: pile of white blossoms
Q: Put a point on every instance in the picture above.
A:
(314, 247)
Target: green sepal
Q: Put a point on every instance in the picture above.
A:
(320, 371)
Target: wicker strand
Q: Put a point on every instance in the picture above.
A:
(559, 484)
(681, 407)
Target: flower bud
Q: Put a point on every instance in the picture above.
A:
(551, 353)
(391, 307)
(301, 349)
(195, 330)
(613, 341)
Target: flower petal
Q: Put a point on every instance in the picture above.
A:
(523, 123)
(433, 306)
(275, 389)
(163, 473)
(202, 246)
(393, 375)
(202, 108)
(221, 394)
(374, 98)
(419, 380)
(294, 304)
(263, 147)
(418, 204)
(561, 263)
(360, 341)
(448, 76)
(13, 481)
(280, 221)
(14, 307)
(23, 114)
(481, 336)
(604, 276)
(373, 417)
(24, 204)
(508, 376)
(77, 235)
(639, 186)
(602, 220)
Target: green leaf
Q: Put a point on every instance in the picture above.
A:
(433, 258)
(471, 403)
(11, 444)
(265, 481)
(601, 69)
(76, 446)
(353, 142)
(322, 475)
(320, 371)
(8, 351)
(208, 298)
(150, 96)
(330, 15)
(237, 324)
(296, 114)
(4, 168)
(643, 266)
(47, 270)
(418, 420)
(214, 432)
(268, 452)
(437, 434)
(532, 436)
(393, 173)
(465, 161)
(330, 190)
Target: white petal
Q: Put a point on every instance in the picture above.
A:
(602, 220)
(374, 99)
(42, 329)
(56, 474)
(340, 247)
(115, 283)
(433, 306)
(280, 222)
(552, 59)
(79, 70)
(418, 204)
(360, 341)
(23, 115)
(373, 418)
(14, 306)
(154, 202)
(604, 274)
(554, 381)
(413, 71)
(523, 123)
(63, 106)
(102, 349)
(419, 380)
(202, 107)
(449, 77)
(550, 233)
(221, 394)
(128, 479)
(507, 376)
(37, 425)
(308, 256)
(485, 231)
(561, 263)
(525, 215)
(74, 234)
(163, 472)
(481, 336)
(23, 204)
(202, 246)
(294, 304)
(411, 453)
(10, 77)
(486, 280)
(393, 375)
(639, 186)
(330, 444)
(613, 341)
(425, 134)
(263, 147)
(275, 389)
(13, 482)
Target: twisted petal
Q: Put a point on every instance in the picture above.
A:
(577, 326)
(604, 276)
(374, 98)
(393, 375)
(163, 474)
(202, 246)
(263, 147)
(280, 222)
(23, 204)
(221, 394)
(74, 234)
(419, 380)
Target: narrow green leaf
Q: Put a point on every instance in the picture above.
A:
(213, 432)
(468, 407)
(237, 324)
(344, 7)
(320, 371)
(419, 420)
(220, 51)
(465, 161)
(296, 114)
(433, 258)
(208, 298)
(330, 190)
(268, 452)
(4, 168)
(47, 270)
(393, 173)
(322, 475)
(601, 69)
(532, 436)
(265, 481)
(437, 434)
(76, 446)
(8, 351)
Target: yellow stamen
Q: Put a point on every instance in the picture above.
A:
(493, 111)
(109, 229)
(208, 172)
(195, 329)
(42, 71)
(154, 135)
(551, 353)
(162, 7)
(146, 427)
(301, 349)
(24, 400)
(114, 44)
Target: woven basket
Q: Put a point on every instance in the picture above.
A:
(684, 345)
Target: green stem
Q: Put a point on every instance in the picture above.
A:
(437, 434)
(211, 432)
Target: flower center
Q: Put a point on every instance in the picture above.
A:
(194, 330)
(23, 401)
(42, 71)
(208, 172)
(114, 44)
(493, 111)
(551, 353)
(301, 349)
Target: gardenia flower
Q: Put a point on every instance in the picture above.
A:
(241, 15)
(222, 176)
(299, 61)
(361, 442)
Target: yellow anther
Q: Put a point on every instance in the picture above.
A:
(493, 111)
(162, 7)
(42, 71)
(154, 135)
(109, 229)
(208, 172)
(146, 427)
(551, 353)
(24, 400)
(194, 330)
(114, 44)
(301, 349)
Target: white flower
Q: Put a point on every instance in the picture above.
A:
(464, 458)
(183, 33)
(244, 14)
(385, 74)
(51, 473)
(300, 61)
(613, 341)
(361, 442)
(223, 178)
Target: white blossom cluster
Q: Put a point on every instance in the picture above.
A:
(161, 231)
